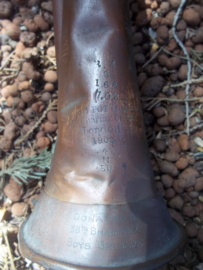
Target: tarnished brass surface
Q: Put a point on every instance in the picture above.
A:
(100, 208)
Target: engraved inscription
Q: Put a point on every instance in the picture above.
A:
(79, 229)
(79, 245)
(101, 218)
(102, 245)
(131, 244)
(80, 235)
(113, 231)
(104, 232)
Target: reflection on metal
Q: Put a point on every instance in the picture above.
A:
(100, 208)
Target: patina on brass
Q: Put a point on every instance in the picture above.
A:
(100, 208)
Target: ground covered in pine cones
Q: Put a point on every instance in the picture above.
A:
(168, 52)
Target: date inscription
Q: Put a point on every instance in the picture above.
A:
(102, 140)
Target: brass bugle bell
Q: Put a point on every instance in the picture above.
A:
(99, 208)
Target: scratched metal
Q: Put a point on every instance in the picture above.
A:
(100, 208)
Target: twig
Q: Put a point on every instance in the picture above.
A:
(9, 159)
(10, 77)
(172, 99)
(154, 101)
(192, 81)
(183, 57)
(170, 53)
(10, 69)
(179, 42)
(8, 58)
(196, 127)
(52, 35)
(158, 52)
(2, 181)
(6, 264)
(9, 249)
(2, 121)
(53, 61)
(154, 56)
(197, 54)
(191, 130)
(50, 138)
(49, 108)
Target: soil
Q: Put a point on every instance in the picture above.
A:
(171, 97)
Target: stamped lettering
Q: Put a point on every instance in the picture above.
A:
(103, 140)
(105, 168)
(98, 131)
(112, 64)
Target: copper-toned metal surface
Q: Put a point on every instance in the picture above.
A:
(100, 208)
